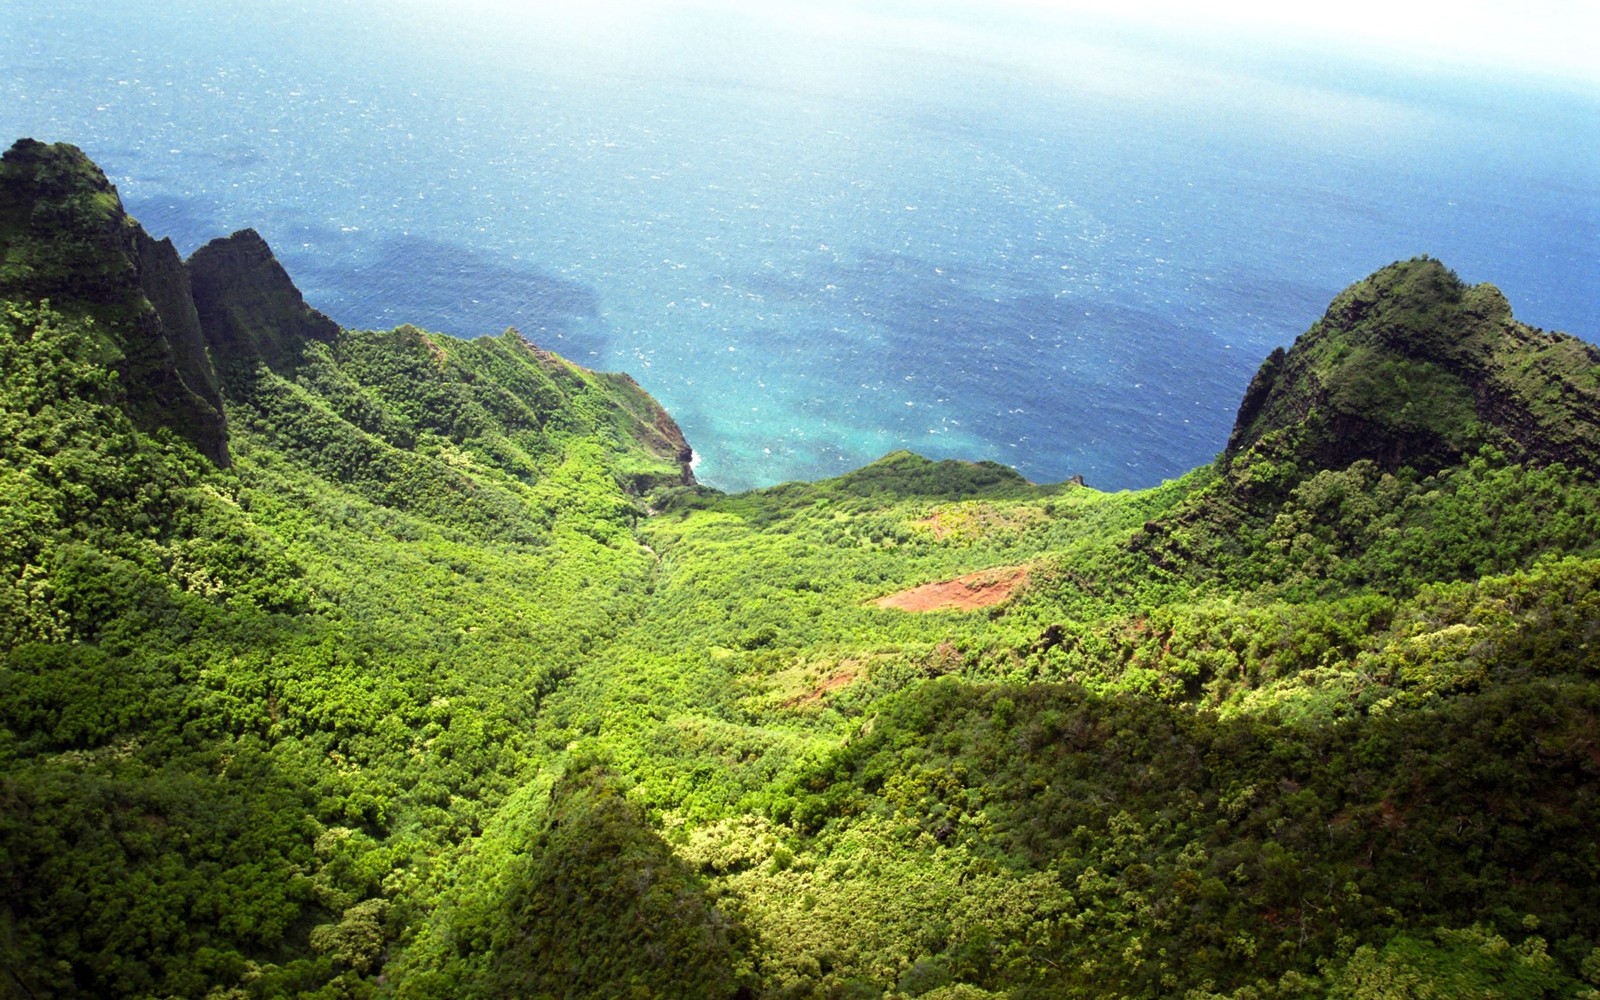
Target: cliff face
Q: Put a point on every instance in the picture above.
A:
(250, 309)
(650, 427)
(165, 282)
(64, 237)
(1411, 367)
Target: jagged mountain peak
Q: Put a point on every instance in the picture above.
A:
(1413, 367)
(64, 237)
(249, 306)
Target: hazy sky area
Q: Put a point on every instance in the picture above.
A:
(1552, 39)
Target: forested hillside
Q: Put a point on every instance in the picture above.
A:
(365, 664)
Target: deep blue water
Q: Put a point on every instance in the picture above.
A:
(817, 240)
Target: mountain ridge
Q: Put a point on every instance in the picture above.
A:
(212, 319)
(1412, 367)
(68, 240)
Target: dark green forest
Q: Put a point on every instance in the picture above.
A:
(367, 664)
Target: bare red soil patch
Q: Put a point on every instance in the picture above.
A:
(965, 593)
(847, 673)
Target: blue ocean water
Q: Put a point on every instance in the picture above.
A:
(821, 234)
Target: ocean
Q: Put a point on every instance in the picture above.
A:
(820, 234)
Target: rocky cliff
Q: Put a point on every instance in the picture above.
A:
(65, 238)
(250, 309)
(1411, 367)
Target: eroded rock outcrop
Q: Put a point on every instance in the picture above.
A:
(66, 239)
(249, 307)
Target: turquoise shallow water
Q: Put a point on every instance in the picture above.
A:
(820, 239)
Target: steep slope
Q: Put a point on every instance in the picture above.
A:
(66, 239)
(1415, 416)
(377, 408)
(183, 330)
(1413, 368)
(250, 310)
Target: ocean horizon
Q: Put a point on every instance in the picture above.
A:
(1042, 240)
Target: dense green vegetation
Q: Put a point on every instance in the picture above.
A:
(429, 672)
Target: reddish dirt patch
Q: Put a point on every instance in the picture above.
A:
(847, 673)
(965, 593)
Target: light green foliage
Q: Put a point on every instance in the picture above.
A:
(357, 939)
(244, 712)
(1464, 963)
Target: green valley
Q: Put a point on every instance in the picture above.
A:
(350, 664)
